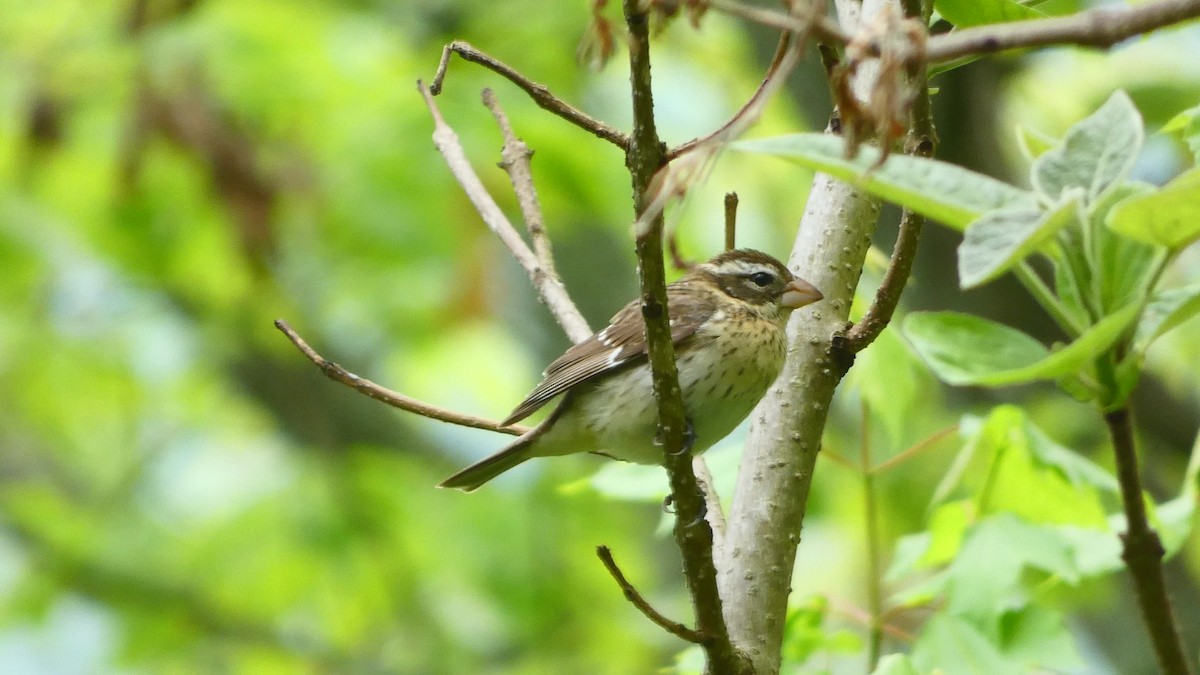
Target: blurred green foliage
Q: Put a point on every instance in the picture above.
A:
(180, 491)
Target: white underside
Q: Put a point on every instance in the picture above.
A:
(619, 415)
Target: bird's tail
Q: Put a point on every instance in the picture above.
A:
(472, 477)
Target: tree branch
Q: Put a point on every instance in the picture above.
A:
(395, 399)
(1098, 27)
(693, 535)
(787, 54)
(785, 435)
(514, 159)
(631, 594)
(922, 142)
(538, 92)
(1143, 551)
(549, 288)
(824, 28)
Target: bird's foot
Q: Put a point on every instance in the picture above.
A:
(668, 506)
(689, 439)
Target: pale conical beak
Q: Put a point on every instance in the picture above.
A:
(799, 293)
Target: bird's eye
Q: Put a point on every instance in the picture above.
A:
(762, 278)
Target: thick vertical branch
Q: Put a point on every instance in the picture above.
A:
(645, 157)
(1143, 552)
(785, 434)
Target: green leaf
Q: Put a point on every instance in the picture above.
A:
(1096, 153)
(1165, 311)
(939, 190)
(1124, 265)
(1067, 286)
(1000, 239)
(1188, 123)
(963, 349)
(993, 559)
(1169, 216)
(1031, 476)
(963, 13)
(1175, 520)
(1038, 636)
(949, 644)
(1033, 143)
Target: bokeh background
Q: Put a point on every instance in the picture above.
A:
(180, 491)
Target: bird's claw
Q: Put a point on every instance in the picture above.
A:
(689, 440)
(668, 506)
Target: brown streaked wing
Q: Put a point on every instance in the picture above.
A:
(621, 342)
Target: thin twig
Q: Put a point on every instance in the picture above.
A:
(678, 261)
(787, 54)
(548, 286)
(922, 142)
(631, 594)
(731, 206)
(691, 161)
(538, 92)
(395, 399)
(514, 159)
(871, 525)
(646, 156)
(823, 27)
(914, 450)
(1098, 27)
(1143, 551)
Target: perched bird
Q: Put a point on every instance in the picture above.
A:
(727, 320)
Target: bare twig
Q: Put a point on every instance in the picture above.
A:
(514, 160)
(678, 261)
(922, 142)
(914, 450)
(787, 54)
(691, 161)
(548, 286)
(631, 594)
(731, 206)
(395, 399)
(824, 28)
(538, 92)
(1143, 551)
(871, 527)
(1098, 27)
(646, 156)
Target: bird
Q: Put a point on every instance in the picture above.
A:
(727, 318)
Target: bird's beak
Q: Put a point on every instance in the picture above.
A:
(799, 293)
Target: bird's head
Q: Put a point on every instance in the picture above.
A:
(759, 279)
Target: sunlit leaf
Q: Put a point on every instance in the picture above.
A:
(1167, 217)
(963, 349)
(1188, 124)
(1122, 265)
(1166, 310)
(949, 644)
(1038, 635)
(1000, 239)
(1033, 143)
(1095, 154)
(963, 13)
(942, 191)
